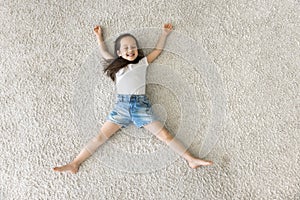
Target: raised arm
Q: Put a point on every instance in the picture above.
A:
(161, 43)
(103, 50)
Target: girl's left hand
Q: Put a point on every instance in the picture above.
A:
(167, 29)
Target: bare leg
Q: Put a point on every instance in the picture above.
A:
(107, 130)
(163, 134)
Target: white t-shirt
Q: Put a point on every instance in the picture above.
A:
(132, 78)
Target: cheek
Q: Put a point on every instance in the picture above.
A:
(122, 52)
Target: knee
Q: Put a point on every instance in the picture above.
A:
(101, 137)
(165, 136)
(96, 141)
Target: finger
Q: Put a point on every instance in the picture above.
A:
(97, 27)
(168, 26)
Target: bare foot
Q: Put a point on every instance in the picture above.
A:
(72, 167)
(197, 162)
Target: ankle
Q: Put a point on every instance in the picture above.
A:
(189, 157)
(75, 163)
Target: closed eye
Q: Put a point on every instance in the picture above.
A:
(126, 48)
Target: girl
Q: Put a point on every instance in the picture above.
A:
(128, 70)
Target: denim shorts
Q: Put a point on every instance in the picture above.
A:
(132, 108)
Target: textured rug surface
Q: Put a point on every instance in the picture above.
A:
(227, 85)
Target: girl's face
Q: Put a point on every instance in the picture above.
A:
(128, 48)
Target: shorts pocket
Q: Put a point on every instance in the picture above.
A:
(146, 103)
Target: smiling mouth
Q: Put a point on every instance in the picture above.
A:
(131, 55)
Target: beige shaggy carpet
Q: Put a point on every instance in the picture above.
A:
(227, 85)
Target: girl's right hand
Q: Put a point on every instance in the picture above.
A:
(98, 31)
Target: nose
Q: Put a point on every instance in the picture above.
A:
(133, 47)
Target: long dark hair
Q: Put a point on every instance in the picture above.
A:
(119, 62)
